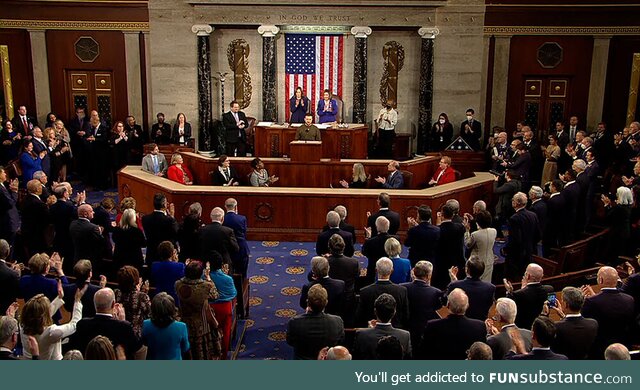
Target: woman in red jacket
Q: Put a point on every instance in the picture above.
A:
(445, 174)
(178, 172)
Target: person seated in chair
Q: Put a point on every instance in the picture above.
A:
(395, 179)
(225, 175)
(259, 177)
(444, 174)
(178, 172)
(308, 131)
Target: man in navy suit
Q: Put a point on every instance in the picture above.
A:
(342, 212)
(63, 212)
(524, 234)
(238, 223)
(346, 269)
(322, 243)
(554, 233)
(39, 146)
(384, 202)
(449, 338)
(574, 334)
(422, 237)
(87, 238)
(543, 331)
(159, 226)
(334, 287)
(220, 238)
(538, 206)
(531, 296)
(450, 248)
(395, 179)
(373, 247)
(368, 295)
(481, 294)
(613, 309)
(235, 122)
(424, 300)
(35, 219)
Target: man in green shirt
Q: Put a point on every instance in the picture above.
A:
(308, 131)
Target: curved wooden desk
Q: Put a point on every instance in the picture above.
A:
(297, 214)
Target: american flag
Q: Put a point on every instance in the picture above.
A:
(314, 63)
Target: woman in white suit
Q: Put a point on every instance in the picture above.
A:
(481, 242)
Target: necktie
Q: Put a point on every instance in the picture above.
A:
(573, 132)
(226, 173)
(156, 168)
(25, 124)
(235, 115)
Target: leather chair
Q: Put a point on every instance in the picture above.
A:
(340, 116)
(407, 177)
(250, 131)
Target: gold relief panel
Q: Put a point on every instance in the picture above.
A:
(6, 92)
(238, 56)
(533, 88)
(557, 88)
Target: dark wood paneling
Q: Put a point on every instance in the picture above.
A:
(297, 214)
(621, 51)
(133, 11)
(576, 66)
(61, 56)
(21, 68)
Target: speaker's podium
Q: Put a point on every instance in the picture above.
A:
(305, 151)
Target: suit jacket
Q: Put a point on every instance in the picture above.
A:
(563, 139)
(18, 125)
(481, 296)
(308, 333)
(220, 238)
(392, 216)
(631, 286)
(450, 338)
(501, 343)
(175, 136)
(238, 223)
(345, 227)
(522, 166)
(554, 233)
(88, 243)
(158, 227)
(538, 354)
(88, 308)
(529, 301)
(394, 180)
(424, 300)
(373, 250)
(368, 295)
(571, 195)
(473, 139)
(450, 253)
(335, 292)
(119, 332)
(524, 234)
(9, 216)
(322, 243)
(39, 146)
(449, 176)
(147, 163)
(63, 212)
(35, 221)
(219, 179)
(575, 337)
(9, 286)
(327, 116)
(165, 136)
(539, 208)
(422, 241)
(614, 311)
(366, 341)
(233, 132)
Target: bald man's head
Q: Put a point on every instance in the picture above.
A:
(458, 302)
(534, 272)
(104, 300)
(338, 353)
(608, 277)
(85, 211)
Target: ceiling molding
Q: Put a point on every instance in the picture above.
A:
(556, 30)
(74, 25)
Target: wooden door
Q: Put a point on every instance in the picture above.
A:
(546, 101)
(93, 90)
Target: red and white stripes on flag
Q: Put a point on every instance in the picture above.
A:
(314, 63)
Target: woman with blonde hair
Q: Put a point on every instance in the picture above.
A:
(129, 241)
(36, 320)
(64, 139)
(401, 267)
(359, 178)
(101, 348)
(129, 203)
(178, 172)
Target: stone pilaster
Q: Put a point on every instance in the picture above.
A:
(425, 97)
(598, 81)
(134, 79)
(205, 119)
(360, 73)
(269, 83)
(40, 76)
(500, 83)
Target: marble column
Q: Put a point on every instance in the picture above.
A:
(40, 76)
(360, 73)
(134, 79)
(500, 82)
(269, 83)
(425, 99)
(597, 84)
(205, 118)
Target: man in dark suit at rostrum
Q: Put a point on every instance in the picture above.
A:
(368, 295)
(87, 238)
(373, 247)
(9, 278)
(384, 201)
(346, 269)
(159, 226)
(531, 296)
(575, 334)
(394, 180)
(23, 123)
(322, 243)
(238, 223)
(450, 249)
(342, 212)
(215, 237)
(613, 309)
(424, 300)
(334, 287)
(235, 122)
(543, 331)
(449, 338)
(422, 237)
(538, 207)
(313, 330)
(524, 235)
(499, 340)
(109, 321)
(481, 294)
(35, 219)
(366, 340)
